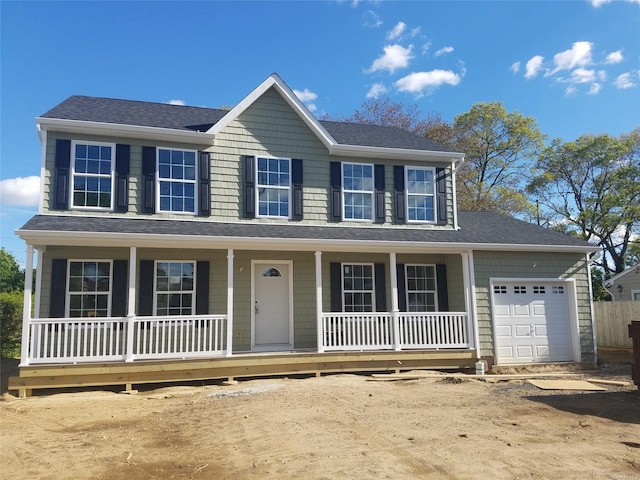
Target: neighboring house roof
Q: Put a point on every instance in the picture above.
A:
(619, 276)
(480, 230)
(337, 136)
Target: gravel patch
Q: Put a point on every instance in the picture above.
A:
(243, 392)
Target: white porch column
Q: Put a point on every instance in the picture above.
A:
(229, 302)
(131, 302)
(395, 318)
(36, 308)
(468, 275)
(320, 330)
(26, 307)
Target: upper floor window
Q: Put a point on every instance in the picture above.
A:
(175, 288)
(177, 180)
(420, 194)
(89, 288)
(357, 190)
(274, 187)
(421, 288)
(93, 169)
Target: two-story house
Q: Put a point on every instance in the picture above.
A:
(179, 243)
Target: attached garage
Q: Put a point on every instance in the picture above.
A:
(534, 321)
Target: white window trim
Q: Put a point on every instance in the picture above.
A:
(371, 192)
(112, 173)
(407, 194)
(406, 284)
(194, 181)
(67, 308)
(633, 294)
(258, 186)
(155, 285)
(374, 307)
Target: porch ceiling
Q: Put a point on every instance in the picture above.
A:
(478, 230)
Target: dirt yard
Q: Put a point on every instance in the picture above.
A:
(333, 427)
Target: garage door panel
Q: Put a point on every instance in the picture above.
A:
(532, 322)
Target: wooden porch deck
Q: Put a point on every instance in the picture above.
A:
(36, 377)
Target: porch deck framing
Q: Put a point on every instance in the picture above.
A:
(38, 377)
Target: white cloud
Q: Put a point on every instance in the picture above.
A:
(396, 31)
(579, 55)
(443, 51)
(599, 3)
(176, 102)
(371, 19)
(307, 97)
(425, 48)
(614, 57)
(419, 82)
(624, 81)
(582, 75)
(376, 91)
(533, 66)
(394, 57)
(595, 88)
(20, 192)
(515, 68)
(415, 32)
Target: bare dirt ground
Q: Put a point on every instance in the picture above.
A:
(333, 427)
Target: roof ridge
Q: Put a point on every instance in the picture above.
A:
(149, 102)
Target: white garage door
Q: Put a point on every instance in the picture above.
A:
(532, 322)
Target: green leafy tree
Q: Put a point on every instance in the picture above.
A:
(498, 148)
(597, 285)
(591, 187)
(10, 323)
(11, 276)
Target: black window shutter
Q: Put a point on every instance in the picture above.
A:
(379, 193)
(402, 287)
(123, 155)
(381, 287)
(249, 187)
(204, 184)
(296, 190)
(398, 193)
(202, 288)
(335, 276)
(441, 189)
(443, 293)
(148, 179)
(58, 287)
(145, 289)
(335, 193)
(119, 290)
(61, 174)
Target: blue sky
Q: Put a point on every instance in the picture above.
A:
(574, 65)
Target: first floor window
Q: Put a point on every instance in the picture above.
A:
(421, 288)
(175, 288)
(274, 187)
(177, 180)
(89, 288)
(420, 194)
(358, 288)
(93, 169)
(357, 188)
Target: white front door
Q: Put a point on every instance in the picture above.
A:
(272, 306)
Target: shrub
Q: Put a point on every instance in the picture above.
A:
(10, 323)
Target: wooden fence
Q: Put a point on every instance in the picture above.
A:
(612, 320)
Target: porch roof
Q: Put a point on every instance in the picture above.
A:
(478, 230)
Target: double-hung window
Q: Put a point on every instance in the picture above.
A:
(175, 288)
(422, 295)
(358, 288)
(420, 194)
(177, 180)
(93, 167)
(357, 190)
(89, 288)
(274, 187)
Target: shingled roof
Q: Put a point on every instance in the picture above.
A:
(479, 229)
(198, 119)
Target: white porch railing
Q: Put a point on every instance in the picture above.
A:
(79, 340)
(374, 331)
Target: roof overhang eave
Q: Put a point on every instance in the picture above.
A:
(125, 131)
(117, 239)
(395, 153)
